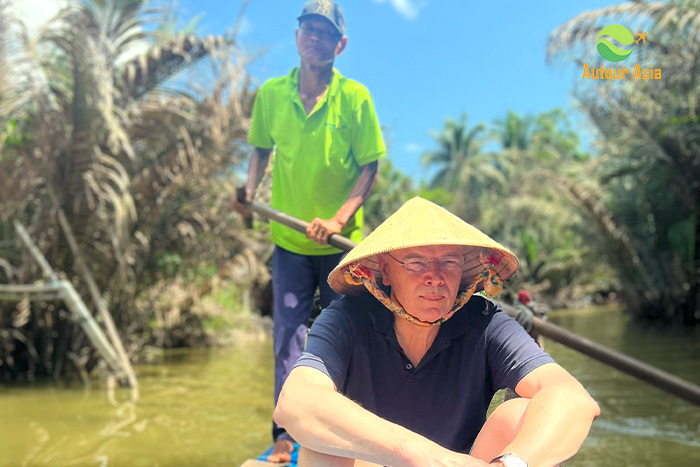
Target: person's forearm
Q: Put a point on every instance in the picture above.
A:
(555, 424)
(256, 170)
(329, 423)
(358, 194)
(342, 431)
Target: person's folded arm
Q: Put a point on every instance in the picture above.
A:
(321, 419)
(557, 419)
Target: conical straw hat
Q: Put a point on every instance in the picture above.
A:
(420, 223)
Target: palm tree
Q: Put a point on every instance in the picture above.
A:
(457, 146)
(513, 131)
(648, 170)
(103, 134)
(393, 188)
(530, 215)
(462, 167)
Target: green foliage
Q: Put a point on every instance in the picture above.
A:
(647, 194)
(96, 125)
(682, 241)
(13, 135)
(464, 170)
(229, 311)
(393, 188)
(169, 264)
(216, 324)
(229, 298)
(439, 196)
(513, 131)
(514, 194)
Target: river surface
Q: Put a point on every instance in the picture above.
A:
(212, 407)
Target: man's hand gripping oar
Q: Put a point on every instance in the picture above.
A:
(240, 201)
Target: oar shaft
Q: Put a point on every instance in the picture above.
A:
(645, 372)
(337, 241)
(633, 367)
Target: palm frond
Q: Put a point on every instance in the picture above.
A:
(577, 37)
(160, 63)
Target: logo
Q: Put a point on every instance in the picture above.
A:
(336, 126)
(610, 51)
(323, 7)
(613, 53)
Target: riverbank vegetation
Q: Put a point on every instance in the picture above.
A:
(127, 136)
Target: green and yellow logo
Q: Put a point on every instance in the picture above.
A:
(336, 126)
(610, 51)
(613, 53)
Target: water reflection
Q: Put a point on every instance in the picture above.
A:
(212, 407)
(640, 425)
(204, 407)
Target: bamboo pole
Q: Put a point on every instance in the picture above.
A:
(102, 310)
(65, 290)
(631, 366)
(18, 292)
(92, 329)
(34, 251)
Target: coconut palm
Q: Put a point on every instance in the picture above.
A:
(513, 131)
(393, 188)
(463, 169)
(536, 153)
(457, 146)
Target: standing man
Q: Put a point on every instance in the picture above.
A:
(327, 141)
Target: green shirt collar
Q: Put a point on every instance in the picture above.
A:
(333, 86)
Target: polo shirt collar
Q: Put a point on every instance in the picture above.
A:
(460, 320)
(383, 319)
(333, 85)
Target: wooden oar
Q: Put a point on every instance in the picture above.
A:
(645, 372)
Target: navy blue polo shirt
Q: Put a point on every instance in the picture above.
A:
(445, 397)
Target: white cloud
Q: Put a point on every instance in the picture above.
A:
(406, 8)
(412, 147)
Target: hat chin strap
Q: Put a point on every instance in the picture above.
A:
(357, 274)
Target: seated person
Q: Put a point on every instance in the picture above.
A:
(400, 371)
(528, 309)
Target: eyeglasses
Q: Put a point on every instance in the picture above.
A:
(323, 34)
(420, 265)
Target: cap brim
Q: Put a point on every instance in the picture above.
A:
(316, 15)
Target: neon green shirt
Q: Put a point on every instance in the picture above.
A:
(317, 158)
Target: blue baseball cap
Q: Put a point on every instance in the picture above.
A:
(327, 10)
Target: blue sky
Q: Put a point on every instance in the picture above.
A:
(422, 60)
